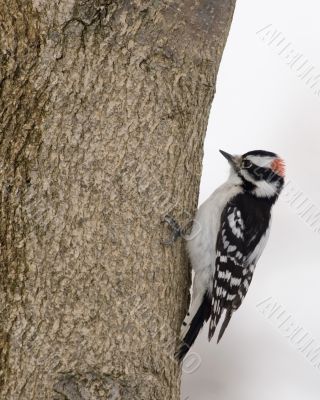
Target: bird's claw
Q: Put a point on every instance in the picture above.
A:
(176, 230)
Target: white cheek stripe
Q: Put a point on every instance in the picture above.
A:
(263, 188)
(261, 161)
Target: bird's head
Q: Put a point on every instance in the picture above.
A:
(259, 172)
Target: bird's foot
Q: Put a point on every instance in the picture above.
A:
(177, 231)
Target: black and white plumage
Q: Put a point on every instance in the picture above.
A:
(234, 228)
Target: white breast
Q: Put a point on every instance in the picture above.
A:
(201, 244)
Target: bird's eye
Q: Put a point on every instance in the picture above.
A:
(246, 164)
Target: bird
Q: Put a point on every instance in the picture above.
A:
(229, 233)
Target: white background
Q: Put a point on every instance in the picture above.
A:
(262, 103)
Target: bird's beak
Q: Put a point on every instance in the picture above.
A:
(233, 160)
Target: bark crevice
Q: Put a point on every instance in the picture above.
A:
(87, 387)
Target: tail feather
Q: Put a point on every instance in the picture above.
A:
(195, 305)
(225, 324)
(199, 314)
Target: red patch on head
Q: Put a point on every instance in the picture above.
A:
(278, 166)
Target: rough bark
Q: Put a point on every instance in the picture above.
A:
(104, 107)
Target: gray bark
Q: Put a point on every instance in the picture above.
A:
(103, 112)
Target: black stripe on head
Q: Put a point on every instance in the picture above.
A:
(247, 186)
(261, 153)
(262, 174)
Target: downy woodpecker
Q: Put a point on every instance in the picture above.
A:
(231, 231)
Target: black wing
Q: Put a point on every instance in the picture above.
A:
(240, 242)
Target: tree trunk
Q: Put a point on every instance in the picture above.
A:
(104, 107)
